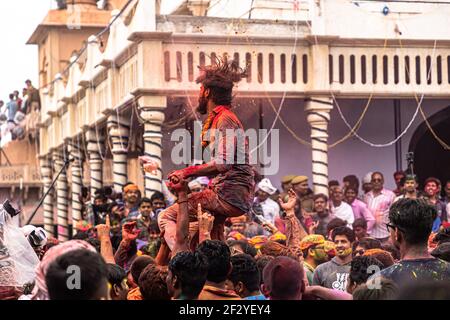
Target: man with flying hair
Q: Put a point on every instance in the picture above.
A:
(230, 193)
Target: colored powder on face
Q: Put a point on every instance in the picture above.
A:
(346, 252)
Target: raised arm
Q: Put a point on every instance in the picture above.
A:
(205, 224)
(103, 234)
(129, 235)
(182, 228)
(294, 230)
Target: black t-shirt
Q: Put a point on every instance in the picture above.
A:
(429, 269)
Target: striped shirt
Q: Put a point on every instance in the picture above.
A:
(380, 204)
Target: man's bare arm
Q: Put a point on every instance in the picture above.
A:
(182, 231)
(106, 249)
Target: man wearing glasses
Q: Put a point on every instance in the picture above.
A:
(378, 201)
(409, 227)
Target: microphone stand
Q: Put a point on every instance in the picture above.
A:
(66, 163)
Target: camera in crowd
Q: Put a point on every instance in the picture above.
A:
(10, 209)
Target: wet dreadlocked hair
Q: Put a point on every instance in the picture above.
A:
(220, 77)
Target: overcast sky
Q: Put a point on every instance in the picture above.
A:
(18, 61)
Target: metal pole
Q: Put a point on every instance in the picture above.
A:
(397, 131)
(49, 189)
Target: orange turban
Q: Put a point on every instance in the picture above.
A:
(130, 187)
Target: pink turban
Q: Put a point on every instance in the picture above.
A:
(40, 288)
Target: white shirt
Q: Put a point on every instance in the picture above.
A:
(380, 205)
(344, 212)
(271, 209)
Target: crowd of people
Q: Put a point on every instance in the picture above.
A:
(19, 116)
(292, 244)
(237, 236)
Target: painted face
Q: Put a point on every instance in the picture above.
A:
(319, 254)
(158, 204)
(410, 186)
(343, 246)
(320, 205)
(360, 232)
(350, 195)
(431, 189)
(377, 182)
(145, 209)
(202, 107)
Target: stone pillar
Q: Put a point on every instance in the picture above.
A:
(154, 119)
(318, 116)
(119, 130)
(198, 7)
(76, 153)
(95, 149)
(46, 173)
(62, 205)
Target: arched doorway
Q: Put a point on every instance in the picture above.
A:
(430, 158)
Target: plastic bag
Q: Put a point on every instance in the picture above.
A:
(18, 133)
(18, 260)
(19, 117)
